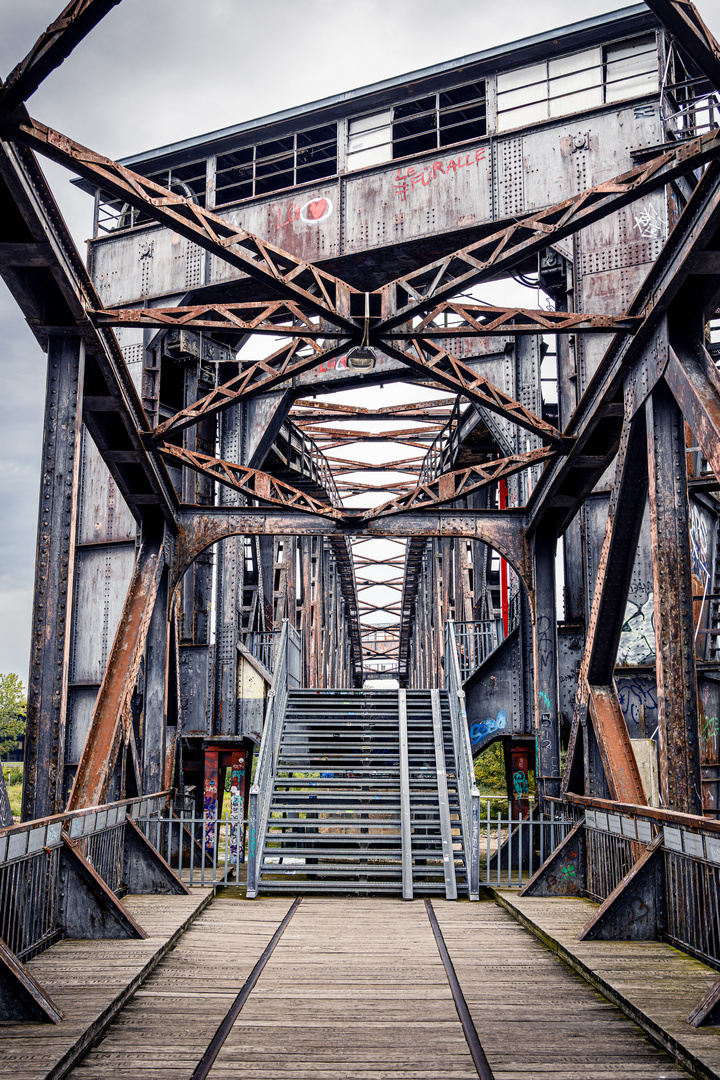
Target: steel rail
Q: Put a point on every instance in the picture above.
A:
(471, 1036)
(217, 1042)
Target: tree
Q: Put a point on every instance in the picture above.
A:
(490, 770)
(13, 706)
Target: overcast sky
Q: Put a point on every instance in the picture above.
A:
(155, 71)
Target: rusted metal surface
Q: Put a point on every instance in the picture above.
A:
(685, 23)
(252, 482)
(57, 525)
(262, 377)
(448, 486)
(283, 273)
(503, 530)
(545, 668)
(611, 731)
(287, 318)
(453, 374)
(693, 380)
(680, 782)
(94, 771)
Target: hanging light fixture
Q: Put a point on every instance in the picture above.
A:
(362, 357)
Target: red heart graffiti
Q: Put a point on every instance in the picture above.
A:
(317, 209)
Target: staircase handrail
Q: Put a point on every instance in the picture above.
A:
(468, 794)
(262, 787)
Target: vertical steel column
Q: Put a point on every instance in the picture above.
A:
(155, 704)
(230, 563)
(57, 522)
(547, 725)
(680, 784)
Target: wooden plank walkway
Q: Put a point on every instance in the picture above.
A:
(535, 1017)
(356, 990)
(90, 981)
(652, 982)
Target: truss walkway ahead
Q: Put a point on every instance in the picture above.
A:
(354, 989)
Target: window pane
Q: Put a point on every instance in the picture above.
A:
(631, 68)
(234, 176)
(462, 114)
(316, 154)
(522, 96)
(415, 126)
(370, 139)
(575, 82)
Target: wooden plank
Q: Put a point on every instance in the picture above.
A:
(91, 981)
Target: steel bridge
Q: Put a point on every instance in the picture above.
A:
(321, 522)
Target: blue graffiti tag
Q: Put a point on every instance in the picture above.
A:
(520, 785)
(488, 726)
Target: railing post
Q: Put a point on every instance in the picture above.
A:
(468, 794)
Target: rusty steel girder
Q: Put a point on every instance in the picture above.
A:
(251, 482)
(457, 375)
(258, 378)
(284, 274)
(458, 484)
(269, 316)
(96, 765)
(53, 47)
(486, 320)
(507, 248)
(474, 320)
(684, 22)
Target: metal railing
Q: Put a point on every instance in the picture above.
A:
(285, 675)
(263, 646)
(512, 848)
(468, 794)
(475, 641)
(30, 866)
(618, 835)
(201, 849)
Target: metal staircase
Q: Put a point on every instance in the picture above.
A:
(363, 797)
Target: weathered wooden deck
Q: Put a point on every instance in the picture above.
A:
(354, 990)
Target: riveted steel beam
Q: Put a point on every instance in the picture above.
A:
(97, 761)
(596, 421)
(448, 486)
(428, 359)
(680, 782)
(684, 22)
(284, 274)
(251, 482)
(258, 378)
(53, 47)
(504, 250)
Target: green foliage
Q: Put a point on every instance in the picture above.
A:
(15, 796)
(12, 712)
(490, 771)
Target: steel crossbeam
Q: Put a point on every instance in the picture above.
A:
(458, 484)
(505, 250)
(284, 274)
(53, 47)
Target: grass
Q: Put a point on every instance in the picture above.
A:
(13, 782)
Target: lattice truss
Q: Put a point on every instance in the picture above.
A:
(371, 461)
